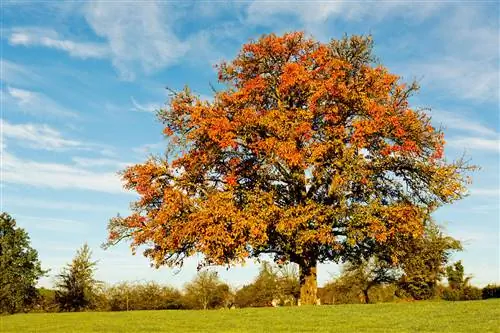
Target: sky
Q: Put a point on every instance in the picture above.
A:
(80, 82)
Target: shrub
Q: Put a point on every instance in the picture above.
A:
(491, 291)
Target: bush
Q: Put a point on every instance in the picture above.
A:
(149, 296)
(491, 291)
(467, 293)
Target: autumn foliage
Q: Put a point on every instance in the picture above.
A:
(309, 152)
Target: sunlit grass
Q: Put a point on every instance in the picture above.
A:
(471, 316)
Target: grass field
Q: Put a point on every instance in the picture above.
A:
(472, 316)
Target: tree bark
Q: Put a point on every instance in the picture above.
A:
(308, 283)
(366, 297)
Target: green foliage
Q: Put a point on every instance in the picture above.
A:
(455, 276)
(491, 291)
(76, 286)
(442, 317)
(150, 296)
(361, 277)
(207, 291)
(46, 301)
(20, 268)
(424, 262)
(458, 285)
(279, 285)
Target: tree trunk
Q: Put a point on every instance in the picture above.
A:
(308, 284)
(366, 297)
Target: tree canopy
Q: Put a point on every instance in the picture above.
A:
(20, 268)
(309, 152)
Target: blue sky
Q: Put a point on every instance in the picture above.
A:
(80, 81)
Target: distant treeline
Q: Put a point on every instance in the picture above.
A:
(273, 286)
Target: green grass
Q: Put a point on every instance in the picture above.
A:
(472, 316)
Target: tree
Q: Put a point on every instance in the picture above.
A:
(366, 274)
(76, 286)
(207, 291)
(20, 268)
(455, 276)
(262, 291)
(424, 260)
(309, 152)
(459, 288)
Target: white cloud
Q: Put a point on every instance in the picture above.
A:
(51, 224)
(33, 36)
(456, 121)
(99, 162)
(465, 55)
(138, 36)
(468, 78)
(150, 147)
(35, 103)
(57, 175)
(488, 192)
(311, 13)
(148, 107)
(14, 73)
(38, 136)
(57, 205)
(475, 143)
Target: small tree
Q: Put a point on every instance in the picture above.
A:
(20, 268)
(424, 261)
(207, 291)
(455, 276)
(366, 274)
(76, 286)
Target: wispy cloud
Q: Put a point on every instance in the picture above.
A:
(100, 162)
(34, 36)
(56, 205)
(51, 224)
(475, 143)
(35, 103)
(488, 192)
(465, 55)
(139, 37)
(309, 13)
(473, 79)
(454, 120)
(149, 147)
(147, 107)
(38, 136)
(57, 175)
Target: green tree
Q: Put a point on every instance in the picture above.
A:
(20, 268)
(424, 261)
(207, 291)
(367, 274)
(455, 276)
(76, 286)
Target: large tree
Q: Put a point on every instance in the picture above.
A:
(20, 268)
(309, 152)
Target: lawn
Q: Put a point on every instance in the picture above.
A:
(472, 316)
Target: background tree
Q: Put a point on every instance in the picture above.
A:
(459, 288)
(76, 287)
(366, 274)
(20, 268)
(207, 291)
(424, 260)
(455, 276)
(310, 152)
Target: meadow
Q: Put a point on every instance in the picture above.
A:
(425, 316)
